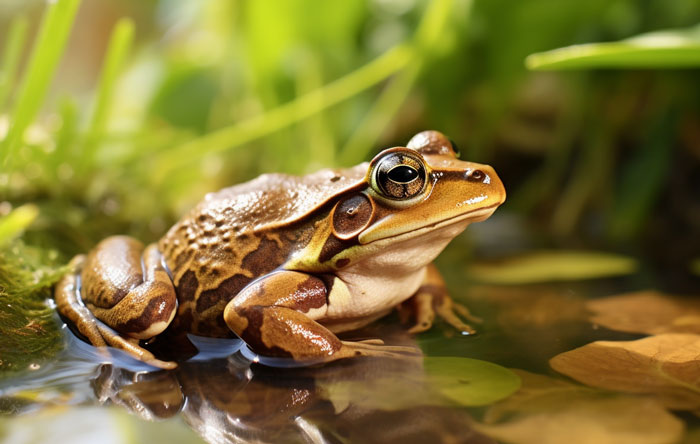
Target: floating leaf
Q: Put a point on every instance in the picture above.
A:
(446, 381)
(547, 266)
(546, 410)
(666, 366)
(648, 312)
(661, 49)
(470, 382)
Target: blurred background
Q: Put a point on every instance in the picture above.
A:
(128, 112)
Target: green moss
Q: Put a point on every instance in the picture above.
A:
(29, 333)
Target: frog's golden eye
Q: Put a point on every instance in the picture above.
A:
(399, 175)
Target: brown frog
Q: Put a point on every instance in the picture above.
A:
(286, 262)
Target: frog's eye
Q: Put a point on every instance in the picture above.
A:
(399, 175)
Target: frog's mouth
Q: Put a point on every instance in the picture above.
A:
(477, 215)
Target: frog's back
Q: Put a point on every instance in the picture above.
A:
(240, 233)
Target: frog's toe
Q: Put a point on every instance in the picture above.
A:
(352, 349)
(371, 341)
(421, 326)
(449, 310)
(464, 312)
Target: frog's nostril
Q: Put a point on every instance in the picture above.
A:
(475, 176)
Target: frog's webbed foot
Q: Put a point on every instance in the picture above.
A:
(106, 314)
(432, 299)
(132, 347)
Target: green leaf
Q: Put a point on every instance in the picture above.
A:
(47, 51)
(661, 49)
(470, 382)
(12, 225)
(117, 50)
(550, 266)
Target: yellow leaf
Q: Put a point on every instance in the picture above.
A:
(548, 266)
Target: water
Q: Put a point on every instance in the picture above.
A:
(221, 396)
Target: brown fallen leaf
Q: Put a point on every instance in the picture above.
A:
(648, 312)
(549, 411)
(666, 366)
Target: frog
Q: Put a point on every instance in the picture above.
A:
(288, 263)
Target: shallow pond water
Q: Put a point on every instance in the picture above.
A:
(605, 360)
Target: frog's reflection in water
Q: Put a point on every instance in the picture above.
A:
(227, 400)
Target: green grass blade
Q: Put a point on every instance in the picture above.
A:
(47, 51)
(662, 49)
(389, 102)
(377, 119)
(12, 225)
(117, 50)
(285, 115)
(12, 53)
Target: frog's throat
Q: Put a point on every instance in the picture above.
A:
(470, 217)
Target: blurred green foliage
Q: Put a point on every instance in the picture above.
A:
(181, 98)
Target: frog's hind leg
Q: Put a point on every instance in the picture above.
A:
(276, 317)
(122, 296)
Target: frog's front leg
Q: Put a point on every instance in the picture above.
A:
(276, 316)
(432, 298)
(122, 295)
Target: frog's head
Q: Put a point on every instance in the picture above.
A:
(420, 192)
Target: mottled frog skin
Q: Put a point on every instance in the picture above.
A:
(286, 262)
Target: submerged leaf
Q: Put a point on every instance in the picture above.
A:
(648, 312)
(666, 366)
(695, 266)
(547, 410)
(531, 307)
(547, 266)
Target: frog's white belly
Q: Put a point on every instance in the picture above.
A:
(370, 288)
